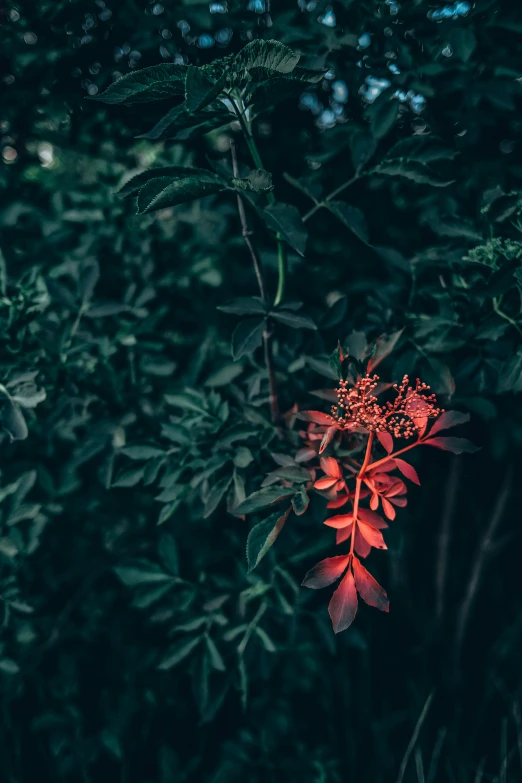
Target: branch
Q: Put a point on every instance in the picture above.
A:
(247, 235)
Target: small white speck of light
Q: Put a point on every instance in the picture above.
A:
(9, 154)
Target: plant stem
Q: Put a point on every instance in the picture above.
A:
(395, 454)
(267, 342)
(256, 157)
(358, 483)
(330, 196)
(505, 316)
(480, 559)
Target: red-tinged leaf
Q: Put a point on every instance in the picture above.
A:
(340, 520)
(398, 487)
(455, 445)
(386, 441)
(386, 467)
(263, 535)
(327, 439)
(343, 534)
(325, 483)
(341, 500)
(331, 467)
(326, 572)
(372, 535)
(371, 518)
(447, 420)
(368, 588)
(388, 508)
(362, 547)
(407, 470)
(400, 501)
(383, 347)
(374, 502)
(317, 417)
(343, 604)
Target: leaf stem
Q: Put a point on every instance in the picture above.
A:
(330, 196)
(505, 316)
(358, 483)
(395, 454)
(267, 342)
(256, 157)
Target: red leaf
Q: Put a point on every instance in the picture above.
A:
(331, 467)
(325, 483)
(388, 508)
(342, 534)
(372, 535)
(449, 419)
(340, 520)
(362, 547)
(341, 500)
(368, 588)
(326, 572)
(400, 501)
(343, 605)
(407, 470)
(327, 438)
(374, 502)
(455, 445)
(398, 487)
(371, 518)
(316, 416)
(386, 441)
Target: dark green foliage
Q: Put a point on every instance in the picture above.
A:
(140, 455)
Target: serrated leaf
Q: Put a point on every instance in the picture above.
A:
(262, 536)
(412, 170)
(148, 84)
(163, 192)
(247, 337)
(286, 220)
(263, 54)
(258, 181)
(215, 495)
(352, 217)
(200, 91)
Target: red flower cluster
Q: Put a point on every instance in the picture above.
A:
(347, 482)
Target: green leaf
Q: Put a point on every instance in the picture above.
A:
(135, 183)
(216, 495)
(141, 452)
(263, 498)
(148, 84)
(463, 41)
(13, 421)
(133, 576)
(247, 337)
(163, 192)
(351, 217)
(362, 147)
(215, 657)
(178, 652)
(295, 320)
(424, 149)
(179, 123)
(384, 115)
(265, 54)
(258, 181)
(200, 91)
(286, 220)
(413, 170)
(262, 537)
(129, 478)
(168, 553)
(245, 305)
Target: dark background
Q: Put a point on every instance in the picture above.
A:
(95, 594)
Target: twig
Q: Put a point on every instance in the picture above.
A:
(445, 534)
(480, 559)
(329, 197)
(414, 738)
(267, 336)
